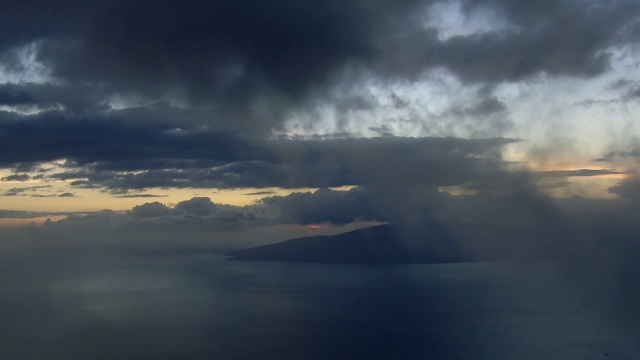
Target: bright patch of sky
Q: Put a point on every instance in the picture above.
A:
(569, 119)
(451, 18)
(21, 65)
(30, 109)
(119, 101)
(402, 109)
(574, 119)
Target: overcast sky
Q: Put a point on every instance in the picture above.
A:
(236, 112)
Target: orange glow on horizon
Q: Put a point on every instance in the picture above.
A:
(311, 228)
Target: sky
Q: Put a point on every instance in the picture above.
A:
(234, 115)
(165, 125)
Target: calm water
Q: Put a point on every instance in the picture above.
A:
(181, 304)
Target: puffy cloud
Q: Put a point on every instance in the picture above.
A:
(324, 205)
(194, 215)
(152, 209)
(198, 206)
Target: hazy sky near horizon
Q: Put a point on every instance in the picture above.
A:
(153, 107)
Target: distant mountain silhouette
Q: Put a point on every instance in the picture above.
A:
(432, 242)
(384, 244)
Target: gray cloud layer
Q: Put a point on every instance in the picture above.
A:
(206, 83)
(234, 51)
(105, 152)
(234, 54)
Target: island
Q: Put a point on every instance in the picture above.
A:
(431, 242)
(382, 244)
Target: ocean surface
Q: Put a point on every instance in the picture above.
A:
(177, 303)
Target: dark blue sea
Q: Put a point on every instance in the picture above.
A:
(127, 303)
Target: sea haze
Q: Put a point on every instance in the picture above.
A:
(192, 303)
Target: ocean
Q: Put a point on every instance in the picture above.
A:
(181, 303)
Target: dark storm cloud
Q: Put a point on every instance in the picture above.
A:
(555, 37)
(220, 49)
(243, 62)
(303, 163)
(113, 141)
(234, 175)
(558, 37)
(391, 160)
(73, 98)
(13, 95)
(243, 65)
(231, 53)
